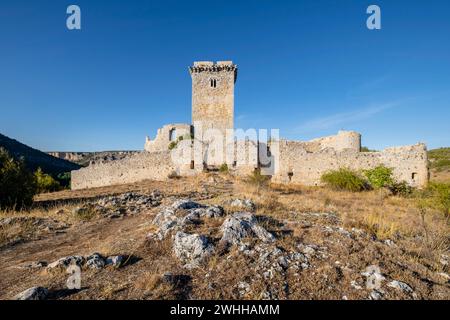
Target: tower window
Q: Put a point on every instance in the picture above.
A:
(213, 83)
(172, 134)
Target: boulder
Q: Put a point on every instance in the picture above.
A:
(95, 261)
(244, 204)
(63, 263)
(241, 225)
(35, 293)
(115, 261)
(191, 249)
(400, 286)
(186, 204)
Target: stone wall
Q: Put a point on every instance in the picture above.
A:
(343, 140)
(165, 135)
(299, 166)
(137, 167)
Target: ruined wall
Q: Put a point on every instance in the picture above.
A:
(165, 135)
(213, 94)
(137, 167)
(343, 140)
(299, 166)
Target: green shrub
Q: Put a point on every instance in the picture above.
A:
(379, 177)
(223, 168)
(439, 159)
(365, 149)
(45, 183)
(64, 179)
(17, 184)
(401, 189)
(258, 180)
(172, 145)
(344, 179)
(439, 197)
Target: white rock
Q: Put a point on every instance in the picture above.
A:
(400, 286)
(63, 263)
(241, 225)
(35, 293)
(191, 249)
(245, 204)
(375, 295)
(95, 261)
(115, 261)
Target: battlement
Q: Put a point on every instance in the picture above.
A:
(210, 66)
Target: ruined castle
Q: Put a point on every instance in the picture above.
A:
(211, 141)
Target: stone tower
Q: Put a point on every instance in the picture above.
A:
(213, 95)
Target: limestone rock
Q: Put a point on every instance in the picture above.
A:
(185, 204)
(191, 249)
(63, 263)
(241, 225)
(95, 261)
(115, 261)
(34, 293)
(400, 286)
(244, 204)
(170, 219)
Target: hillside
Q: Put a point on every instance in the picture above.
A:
(439, 164)
(217, 237)
(35, 158)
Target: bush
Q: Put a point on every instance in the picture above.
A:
(401, 189)
(172, 145)
(439, 159)
(344, 179)
(365, 149)
(439, 197)
(258, 180)
(173, 175)
(64, 179)
(223, 168)
(45, 183)
(17, 184)
(379, 177)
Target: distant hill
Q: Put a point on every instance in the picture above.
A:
(35, 158)
(440, 164)
(86, 158)
(439, 159)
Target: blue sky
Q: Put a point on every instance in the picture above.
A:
(309, 68)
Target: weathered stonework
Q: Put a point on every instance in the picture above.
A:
(210, 141)
(213, 94)
(138, 167)
(297, 165)
(167, 134)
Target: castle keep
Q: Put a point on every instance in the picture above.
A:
(210, 140)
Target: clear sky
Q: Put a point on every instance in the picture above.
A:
(308, 68)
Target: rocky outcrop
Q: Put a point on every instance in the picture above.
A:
(93, 261)
(242, 225)
(191, 249)
(181, 213)
(129, 203)
(35, 293)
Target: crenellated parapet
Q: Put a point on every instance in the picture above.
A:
(211, 67)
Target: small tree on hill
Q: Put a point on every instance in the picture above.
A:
(17, 184)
